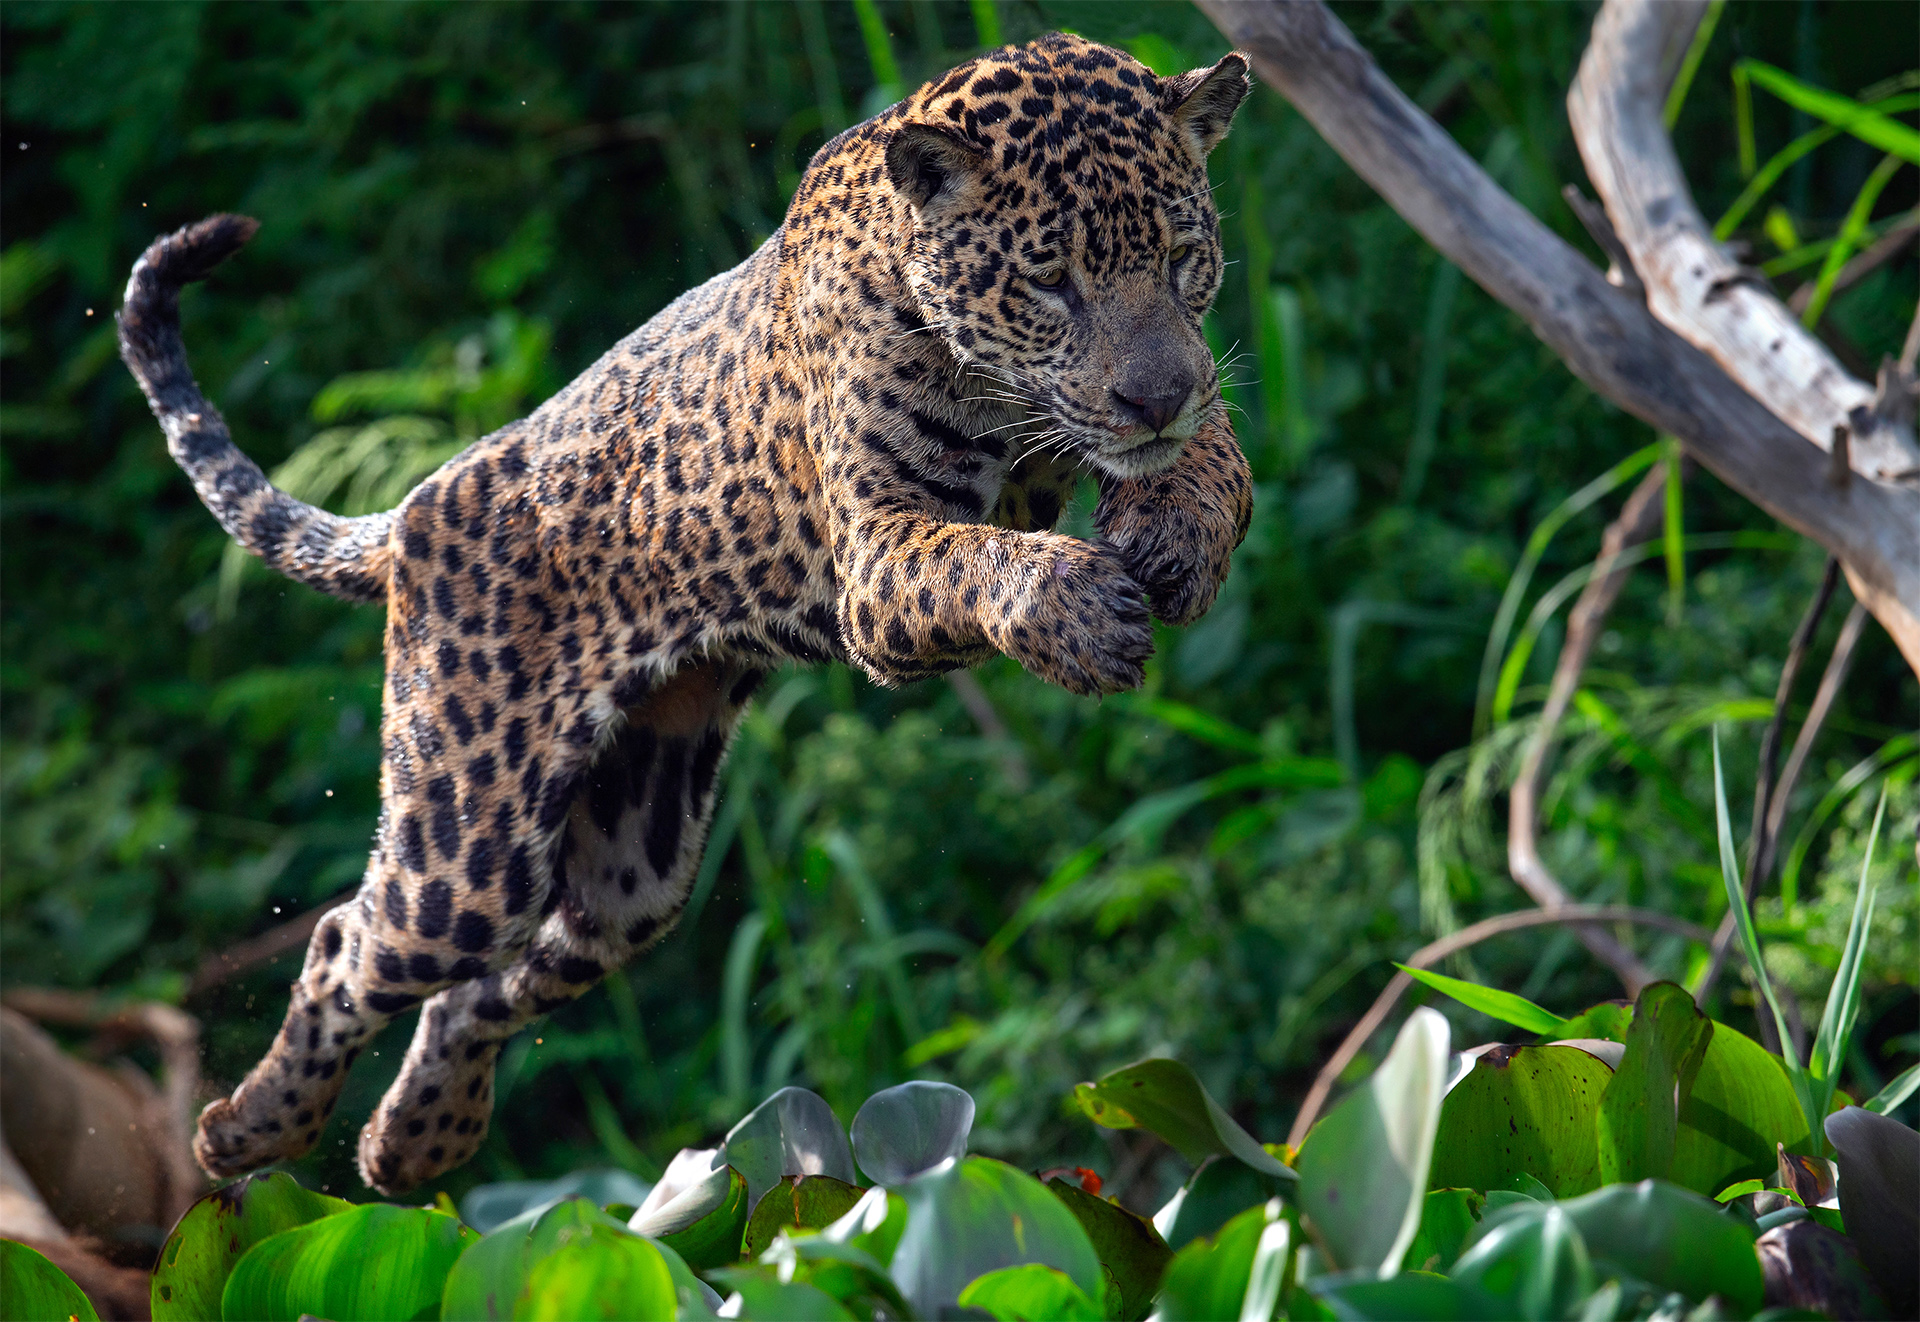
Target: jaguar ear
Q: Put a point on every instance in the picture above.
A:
(928, 163)
(1201, 102)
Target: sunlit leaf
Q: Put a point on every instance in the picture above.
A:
(1904, 1085)
(1639, 1116)
(1740, 1105)
(488, 1280)
(600, 1270)
(1447, 1217)
(1843, 112)
(218, 1230)
(1209, 1278)
(810, 1201)
(1527, 1110)
(906, 1131)
(1029, 1293)
(366, 1264)
(1165, 1097)
(714, 1240)
(1363, 1168)
(978, 1215)
(793, 1132)
(1608, 1021)
(32, 1289)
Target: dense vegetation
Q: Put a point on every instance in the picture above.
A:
(474, 201)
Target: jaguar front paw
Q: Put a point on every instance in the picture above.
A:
(1082, 623)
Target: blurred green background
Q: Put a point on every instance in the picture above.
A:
(463, 205)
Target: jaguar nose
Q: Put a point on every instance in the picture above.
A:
(1156, 408)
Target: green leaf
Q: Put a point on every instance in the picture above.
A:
(1669, 1237)
(1531, 1256)
(1523, 1109)
(1843, 112)
(1505, 1006)
(489, 1277)
(1165, 1097)
(369, 1263)
(1413, 1296)
(1739, 1190)
(32, 1289)
(765, 1298)
(873, 1225)
(1447, 1217)
(793, 1132)
(978, 1215)
(598, 1271)
(1741, 1104)
(1639, 1118)
(1209, 1278)
(218, 1230)
(715, 1239)
(1029, 1293)
(1903, 1087)
(1607, 1021)
(810, 1201)
(1879, 1162)
(1219, 1191)
(1363, 1168)
(486, 1207)
(848, 1273)
(1127, 1245)
(1843, 995)
(906, 1131)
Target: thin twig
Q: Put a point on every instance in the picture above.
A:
(1429, 955)
(1638, 521)
(1831, 681)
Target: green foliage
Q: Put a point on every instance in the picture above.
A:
(205, 1245)
(35, 1289)
(464, 205)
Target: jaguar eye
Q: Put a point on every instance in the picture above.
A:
(1181, 253)
(1050, 280)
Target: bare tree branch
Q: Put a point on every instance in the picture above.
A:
(1606, 337)
(269, 945)
(1639, 520)
(1617, 109)
(1429, 955)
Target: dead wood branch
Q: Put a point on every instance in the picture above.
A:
(269, 945)
(1610, 340)
(1639, 520)
(1617, 109)
(1429, 955)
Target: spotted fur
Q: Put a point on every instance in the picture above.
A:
(852, 446)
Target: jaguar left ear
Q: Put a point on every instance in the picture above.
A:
(1201, 102)
(928, 163)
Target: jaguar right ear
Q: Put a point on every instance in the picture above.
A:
(928, 164)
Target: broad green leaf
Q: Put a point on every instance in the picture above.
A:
(217, 1230)
(1531, 1257)
(599, 1270)
(1128, 1246)
(366, 1264)
(1889, 135)
(793, 1132)
(488, 1279)
(811, 1201)
(765, 1298)
(1607, 1021)
(1363, 1168)
(32, 1289)
(487, 1206)
(1165, 1097)
(873, 1225)
(696, 1184)
(1414, 1296)
(714, 1240)
(1739, 1190)
(1219, 1191)
(1505, 1006)
(977, 1215)
(1029, 1293)
(1740, 1105)
(908, 1130)
(1447, 1217)
(1638, 1117)
(1891, 1096)
(846, 1272)
(1209, 1277)
(1669, 1237)
(1521, 1110)
(1879, 1163)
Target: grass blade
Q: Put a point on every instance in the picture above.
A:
(1889, 135)
(1674, 534)
(1894, 1093)
(1852, 234)
(1702, 36)
(1750, 943)
(1508, 1007)
(1777, 164)
(1843, 998)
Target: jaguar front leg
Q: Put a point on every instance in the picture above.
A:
(1176, 530)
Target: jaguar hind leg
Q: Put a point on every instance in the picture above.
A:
(633, 839)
